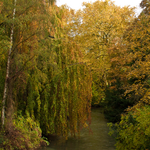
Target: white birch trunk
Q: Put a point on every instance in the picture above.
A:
(8, 68)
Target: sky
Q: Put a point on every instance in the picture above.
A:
(77, 4)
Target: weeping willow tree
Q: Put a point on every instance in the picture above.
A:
(48, 81)
(66, 107)
(51, 83)
(64, 98)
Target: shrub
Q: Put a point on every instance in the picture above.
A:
(25, 135)
(133, 131)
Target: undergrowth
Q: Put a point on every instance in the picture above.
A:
(26, 135)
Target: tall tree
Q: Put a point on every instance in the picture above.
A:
(15, 25)
(8, 69)
(138, 57)
(96, 34)
(130, 62)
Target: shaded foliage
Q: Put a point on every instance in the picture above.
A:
(133, 130)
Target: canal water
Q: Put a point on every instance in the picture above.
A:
(97, 140)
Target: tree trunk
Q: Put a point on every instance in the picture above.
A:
(7, 72)
(10, 108)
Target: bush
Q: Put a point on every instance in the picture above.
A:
(25, 135)
(133, 131)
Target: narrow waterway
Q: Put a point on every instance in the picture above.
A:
(97, 140)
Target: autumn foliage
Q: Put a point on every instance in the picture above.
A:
(49, 83)
(63, 61)
(132, 61)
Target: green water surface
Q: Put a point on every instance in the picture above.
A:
(97, 140)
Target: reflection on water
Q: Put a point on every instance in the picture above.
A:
(97, 140)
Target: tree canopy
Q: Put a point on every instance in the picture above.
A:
(56, 62)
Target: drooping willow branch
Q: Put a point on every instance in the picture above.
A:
(80, 63)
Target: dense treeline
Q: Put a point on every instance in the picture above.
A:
(117, 50)
(55, 63)
(98, 37)
(134, 55)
